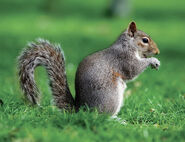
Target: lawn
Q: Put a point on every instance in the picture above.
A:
(154, 108)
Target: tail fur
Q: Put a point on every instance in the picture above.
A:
(43, 53)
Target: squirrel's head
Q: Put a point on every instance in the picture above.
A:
(145, 45)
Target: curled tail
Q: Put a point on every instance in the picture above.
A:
(43, 53)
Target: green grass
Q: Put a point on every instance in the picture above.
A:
(154, 108)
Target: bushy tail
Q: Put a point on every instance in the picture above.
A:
(43, 53)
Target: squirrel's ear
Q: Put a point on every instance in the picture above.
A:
(132, 29)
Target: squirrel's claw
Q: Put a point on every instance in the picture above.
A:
(155, 66)
(155, 63)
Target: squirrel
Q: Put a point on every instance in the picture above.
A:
(101, 77)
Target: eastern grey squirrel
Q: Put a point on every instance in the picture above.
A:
(100, 78)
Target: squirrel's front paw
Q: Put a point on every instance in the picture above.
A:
(155, 63)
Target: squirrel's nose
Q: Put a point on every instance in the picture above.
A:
(155, 48)
(157, 52)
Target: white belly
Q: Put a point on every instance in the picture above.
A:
(121, 86)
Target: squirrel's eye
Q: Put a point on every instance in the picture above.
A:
(145, 40)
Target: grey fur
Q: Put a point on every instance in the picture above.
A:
(98, 76)
(94, 82)
(43, 53)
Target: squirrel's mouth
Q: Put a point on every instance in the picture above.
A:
(148, 55)
(144, 55)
